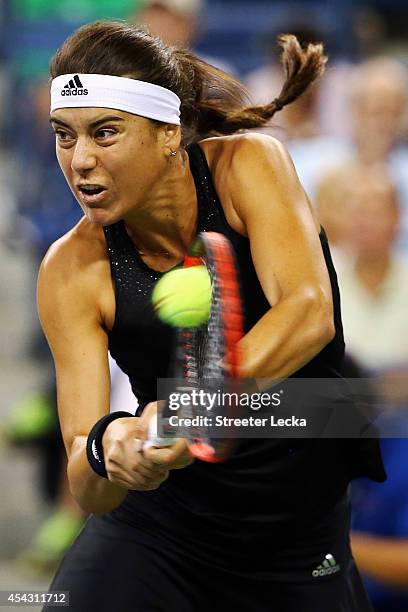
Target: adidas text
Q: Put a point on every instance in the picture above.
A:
(327, 567)
(74, 92)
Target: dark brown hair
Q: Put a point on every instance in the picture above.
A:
(212, 101)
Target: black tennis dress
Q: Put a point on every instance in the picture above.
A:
(265, 531)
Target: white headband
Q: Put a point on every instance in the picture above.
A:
(121, 93)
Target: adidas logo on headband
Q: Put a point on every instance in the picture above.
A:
(74, 87)
(108, 91)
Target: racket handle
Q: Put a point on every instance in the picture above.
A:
(153, 439)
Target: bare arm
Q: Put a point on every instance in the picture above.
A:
(79, 347)
(381, 558)
(71, 302)
(272, 210)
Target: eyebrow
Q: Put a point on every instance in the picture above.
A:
(92, 125)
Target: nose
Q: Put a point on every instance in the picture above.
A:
(83, 158)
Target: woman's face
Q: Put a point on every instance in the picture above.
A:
(111, 159)
(374, 218)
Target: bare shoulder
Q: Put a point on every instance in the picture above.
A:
(238, 151)
(75, 252)
(250, 170)
(76, 271)
(229, 159)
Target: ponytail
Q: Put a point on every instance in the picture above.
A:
(219, 105)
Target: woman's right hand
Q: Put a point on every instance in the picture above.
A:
(125, 463)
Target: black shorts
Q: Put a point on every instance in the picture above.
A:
(113, 566)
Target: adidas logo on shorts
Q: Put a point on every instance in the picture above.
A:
(327, 567)
(74, 87)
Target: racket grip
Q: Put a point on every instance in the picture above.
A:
(153, 439)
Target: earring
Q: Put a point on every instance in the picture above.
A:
(173, 153)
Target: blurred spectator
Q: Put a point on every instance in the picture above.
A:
(378, 99)
(374, 287)
(378, 102)
(374, 296)
(368, 38)
(177, 22)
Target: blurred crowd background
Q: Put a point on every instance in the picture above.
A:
(348, 139)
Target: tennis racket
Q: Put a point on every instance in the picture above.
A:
(207, 357)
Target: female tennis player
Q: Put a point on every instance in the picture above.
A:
(268, 528)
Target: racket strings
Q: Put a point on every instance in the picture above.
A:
(207, 356)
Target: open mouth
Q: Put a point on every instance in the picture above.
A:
(91, 190)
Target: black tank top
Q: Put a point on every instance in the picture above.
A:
(280, 494)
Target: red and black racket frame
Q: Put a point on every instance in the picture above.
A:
(226, 325)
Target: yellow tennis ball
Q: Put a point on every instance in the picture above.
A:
(182, 297)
